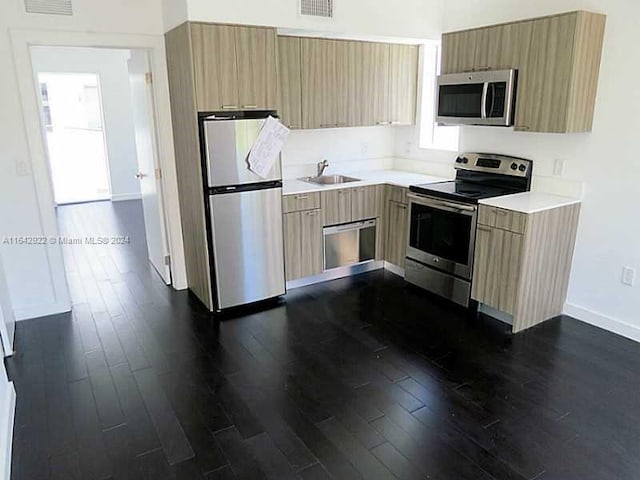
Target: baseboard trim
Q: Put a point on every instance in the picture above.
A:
(601, 320)
(122, 197)
(394, 269)
(37, 311)
(7, 432)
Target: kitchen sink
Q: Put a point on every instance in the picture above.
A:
(330, 179)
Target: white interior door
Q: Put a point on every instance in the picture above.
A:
(149, 173)
(7, 318)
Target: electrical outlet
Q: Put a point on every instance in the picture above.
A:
(558, 167)
(364, 148)
(629, 276)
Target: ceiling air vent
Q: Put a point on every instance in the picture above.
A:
(317, 8)
(49, 7)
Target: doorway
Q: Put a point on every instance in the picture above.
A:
(74, 132)
(99, 128)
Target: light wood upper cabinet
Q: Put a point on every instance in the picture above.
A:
(352, 83)
(369, 86)
(214, 66)
(403, 84)
(257, 65)
(459, 51)
(558, 63)
(235, 67)
(290, 90)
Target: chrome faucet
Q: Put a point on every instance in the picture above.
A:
(321, 167)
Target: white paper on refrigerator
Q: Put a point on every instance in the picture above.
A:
(267, 147)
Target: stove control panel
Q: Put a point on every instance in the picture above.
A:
(494, 163)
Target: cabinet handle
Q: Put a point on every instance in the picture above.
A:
(383, 123)
(403, 207)
(229, 107)
(501, 212)
(249, 106)
(484, 229)
(312, 213)
(302, 197)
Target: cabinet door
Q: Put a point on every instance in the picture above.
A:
(215, 68)
(336, 206)
(496, 269)
(403, 84)
(545, 76)
(503, 47)
(369, 84)
(458, 51)
(363, 203)
(257, 67)
(318, 83)
(344, 72)
(395, 247)
(311, 260)
(290, 92)
(292, 245)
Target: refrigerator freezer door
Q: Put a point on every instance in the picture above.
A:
(248, 247)
(227, 146)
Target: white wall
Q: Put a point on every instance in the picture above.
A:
(32, 282)
(400, 18)
(111, 67)
(605, 160)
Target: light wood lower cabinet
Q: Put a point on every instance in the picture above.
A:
(336, 206)
(363, 203)
(395, 247)
(522, 264)
(303, 244)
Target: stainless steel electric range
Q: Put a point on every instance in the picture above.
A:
(443, 217)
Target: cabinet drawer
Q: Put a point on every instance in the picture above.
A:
(397, 194)
(502, 219)
(300, 201)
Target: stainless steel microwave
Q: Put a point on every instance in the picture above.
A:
(477, 98)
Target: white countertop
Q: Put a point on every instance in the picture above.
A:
(529, 202)
(391, 177)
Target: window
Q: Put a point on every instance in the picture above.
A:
(433, 136)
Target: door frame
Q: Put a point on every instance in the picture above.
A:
(37, 165)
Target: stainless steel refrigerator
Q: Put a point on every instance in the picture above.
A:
(244, 210)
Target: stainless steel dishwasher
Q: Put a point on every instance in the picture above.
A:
(349, 244)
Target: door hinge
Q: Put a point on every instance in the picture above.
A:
(167, 259)
(158, 173)
(148, 77)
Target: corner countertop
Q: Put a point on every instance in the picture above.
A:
(530, 202)
(378, 177)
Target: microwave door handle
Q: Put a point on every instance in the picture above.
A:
(493, 99)
(483, 108)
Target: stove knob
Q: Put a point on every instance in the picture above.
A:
(465, 160)
(522, 168)
(514, 166)
(459, 160)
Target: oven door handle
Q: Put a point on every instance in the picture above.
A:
(444, 204)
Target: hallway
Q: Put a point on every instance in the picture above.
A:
(356, 378)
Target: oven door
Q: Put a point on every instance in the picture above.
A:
(442, 234)
(477, 98)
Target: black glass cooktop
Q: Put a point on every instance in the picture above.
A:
(462, 191)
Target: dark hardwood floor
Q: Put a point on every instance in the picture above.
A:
(357, 378)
